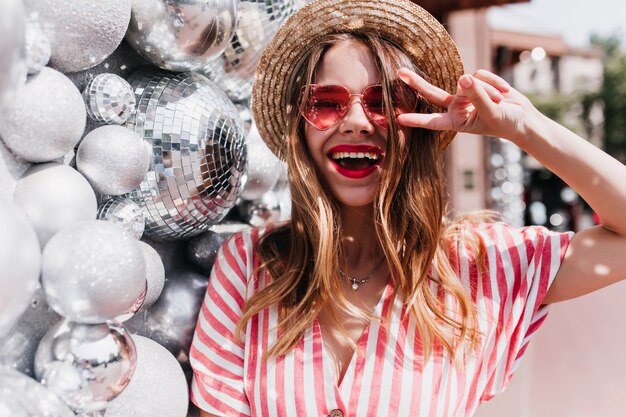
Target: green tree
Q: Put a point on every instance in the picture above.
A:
(611, 96)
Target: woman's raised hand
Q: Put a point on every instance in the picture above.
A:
(484, 104)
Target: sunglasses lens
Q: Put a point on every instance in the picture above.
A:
(374, 105)
(404, 99)
(326, 105)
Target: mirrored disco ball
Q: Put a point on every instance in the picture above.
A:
(198, 152)
(258, 22)
(181, 35)
(125, 212)
(109, 99)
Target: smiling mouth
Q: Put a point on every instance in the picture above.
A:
(355, 161)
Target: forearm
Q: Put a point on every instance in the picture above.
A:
(596, 176)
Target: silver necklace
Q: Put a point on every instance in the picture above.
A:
(356, 281)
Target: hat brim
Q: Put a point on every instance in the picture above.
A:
(402, 22)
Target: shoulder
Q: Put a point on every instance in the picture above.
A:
(502, 236)
(239, 252)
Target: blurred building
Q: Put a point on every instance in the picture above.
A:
(494, 173)
(570, 367)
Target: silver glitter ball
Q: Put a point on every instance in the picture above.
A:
(263, 167)
(155, 275)
(20, 261)
(93, 271)
(21, 396)
(154, 390)
(46, 119)
(38, 49)
(198, 153)
(18, 346)
(114, 159)
(86, 364)
(181, 35)
(54, 196)
(82, 33)
(258, 22)
(125, 212)
(109, 99)
(12, 50)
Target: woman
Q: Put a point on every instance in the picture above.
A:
(369, 302)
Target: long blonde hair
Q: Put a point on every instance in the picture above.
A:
(303, 257)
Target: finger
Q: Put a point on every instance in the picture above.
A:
(493, 79)
(432, 94)
(495, 94)
(432, 121)
(476, 93)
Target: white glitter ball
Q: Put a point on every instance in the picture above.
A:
(54, 196)
(82, 33)
(93, 271)
(114, 159)
(46, 119)
(109, 99)
(158, 387)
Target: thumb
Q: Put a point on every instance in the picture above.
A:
(477, 94)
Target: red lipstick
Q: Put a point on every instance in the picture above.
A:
(356, 173)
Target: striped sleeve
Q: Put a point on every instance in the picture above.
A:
(217, 353)
(521, 266)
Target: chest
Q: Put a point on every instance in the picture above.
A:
(386, 376)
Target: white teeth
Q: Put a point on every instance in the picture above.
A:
(355, 155)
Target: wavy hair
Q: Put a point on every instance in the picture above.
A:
(303, 257)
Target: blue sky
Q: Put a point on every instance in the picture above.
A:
(575, 20)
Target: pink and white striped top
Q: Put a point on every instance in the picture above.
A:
(387, 376)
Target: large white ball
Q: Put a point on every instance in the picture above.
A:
(93, 271)
(46, 119)
(20, 262)
(114, 159)
(157, 389)
(54, 196)
(82, 33)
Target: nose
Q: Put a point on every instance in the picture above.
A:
(355, 120)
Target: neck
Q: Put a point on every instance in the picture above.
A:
(360, 243)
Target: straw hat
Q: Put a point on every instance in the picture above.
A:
(402, 22)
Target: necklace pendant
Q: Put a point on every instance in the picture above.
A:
(355, 286)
